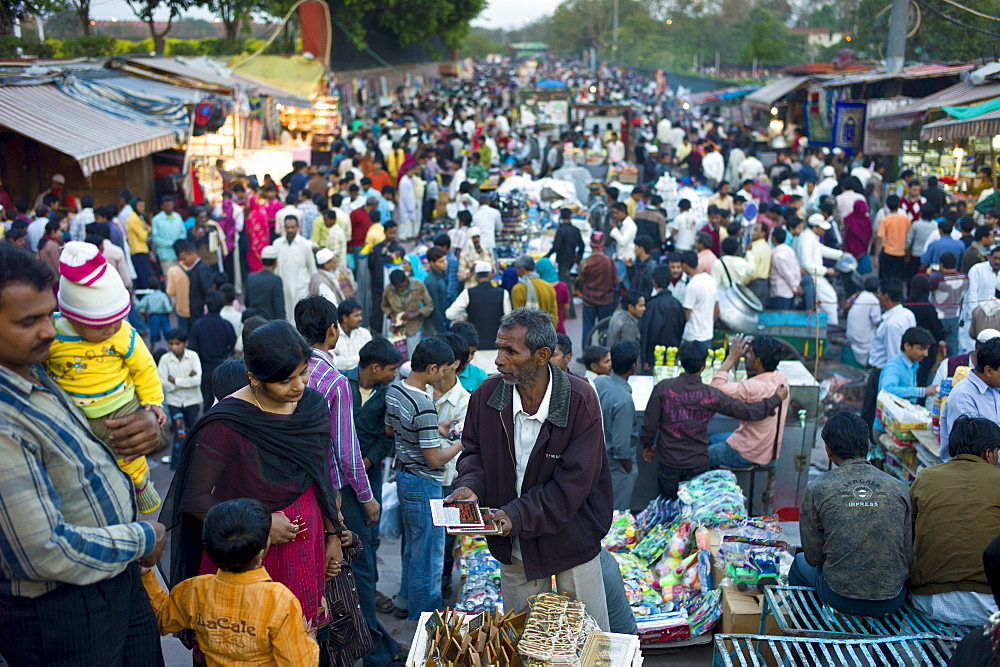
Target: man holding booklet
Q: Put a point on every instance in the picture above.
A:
(534, 448)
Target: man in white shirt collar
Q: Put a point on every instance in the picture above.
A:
(353, 336)
(887, 339)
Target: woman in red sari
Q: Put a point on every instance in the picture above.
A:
(270, 441)
(258, 233)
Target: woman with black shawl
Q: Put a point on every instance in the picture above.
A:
(268, 441)
(927, 317)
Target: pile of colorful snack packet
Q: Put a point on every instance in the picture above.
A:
(666, 558)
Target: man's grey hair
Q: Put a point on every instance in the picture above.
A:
(525, 262)
(540, 332)
(371, 201)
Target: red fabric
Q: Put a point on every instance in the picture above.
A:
(300, 564)
(562, 299)
(380, 179)
(360, 222)
(258, 233)
(93, 269)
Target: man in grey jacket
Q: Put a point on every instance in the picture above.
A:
(621, 435)
(856, 528)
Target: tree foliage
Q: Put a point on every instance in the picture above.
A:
(145, 10)
(234, 13)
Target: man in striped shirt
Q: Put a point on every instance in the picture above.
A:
(316, 319)
(70, 590)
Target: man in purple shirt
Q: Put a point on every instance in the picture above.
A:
(316, 319)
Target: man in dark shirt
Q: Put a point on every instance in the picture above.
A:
(678, 412)
(265, 292)
(933, 194)
(568, 248)
(652, 222)
(377, 368)
(663, 321)
(199, 278)
(437, 286)
(856, 527)
(643, 265)
(381, 255)
(214, 339)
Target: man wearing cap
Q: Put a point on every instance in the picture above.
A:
(474, 253)
(265, 292)
(296, 265)
(947, 368)
(978, 395)
(331, 280)
(67, 202)
(481, 305)
(811, 252)
(987, 314)
(825, 187)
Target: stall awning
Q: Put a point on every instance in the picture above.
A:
(175, 70)
(150, 88)
(774, 91)
(986, 125)
(959, 94)
(95, 139)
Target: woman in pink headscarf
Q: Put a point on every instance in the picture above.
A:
(258, 233)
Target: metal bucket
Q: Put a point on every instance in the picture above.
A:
(738, 308)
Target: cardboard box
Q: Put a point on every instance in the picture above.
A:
(741, 614)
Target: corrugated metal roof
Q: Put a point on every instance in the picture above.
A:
(961, 93)
(775, 90)
(988, 124)
(928, 71)
(95, 139)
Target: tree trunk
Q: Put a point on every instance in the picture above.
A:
(232, 29)
(83, 14)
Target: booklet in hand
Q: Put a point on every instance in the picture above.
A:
(463, 517)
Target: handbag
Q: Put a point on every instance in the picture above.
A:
(397, 336)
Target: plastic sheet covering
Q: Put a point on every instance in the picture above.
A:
(133, 106)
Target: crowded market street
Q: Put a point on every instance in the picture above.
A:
(524, 360)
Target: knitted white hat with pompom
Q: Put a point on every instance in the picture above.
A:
(90, 291)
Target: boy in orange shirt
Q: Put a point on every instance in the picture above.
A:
(239, 615)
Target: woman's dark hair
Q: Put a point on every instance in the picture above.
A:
(973, 435)
(314, 315)
(229, 377)
(467, 331)
(18, 266)
(431, 352)
(920, 288)
(379, 351)
(235, 531)
(691, 356)
(251, 324)
(918, 336)
(458, 347)
(846, 434)
(769, 350)
(274, 351)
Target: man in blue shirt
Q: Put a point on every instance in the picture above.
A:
(899, 375)
(621, 436)
(942, 245)
(976, 396)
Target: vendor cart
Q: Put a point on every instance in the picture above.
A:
(804, 331)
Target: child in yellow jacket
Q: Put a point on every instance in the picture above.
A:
(97, 357)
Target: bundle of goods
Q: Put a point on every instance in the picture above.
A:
(624, 172)
(665, 364)
(900, 418)
(481, 576)
(710, 497)
(557, 629)
(751, 555)
(622, 533)
(941, 400)
(454, 639)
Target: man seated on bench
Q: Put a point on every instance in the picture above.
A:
(956, 513)
(753, 443)
(856, 528)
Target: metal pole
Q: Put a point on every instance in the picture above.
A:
(614, 42)
(897, 36)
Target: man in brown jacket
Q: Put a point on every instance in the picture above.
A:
(407, 303)
(957, 504)
(534, 448)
